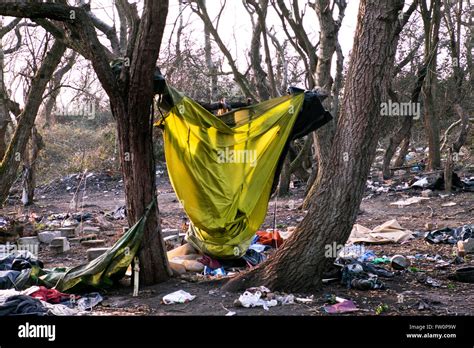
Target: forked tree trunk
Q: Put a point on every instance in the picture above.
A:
(299, 264)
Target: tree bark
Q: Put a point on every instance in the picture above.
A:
(135, 131)
(299, 264)
(211, 66)
(329, 29)
(285, 178)
(431, 22)
(29, 167)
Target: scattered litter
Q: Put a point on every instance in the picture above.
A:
(449, 204)
(422, 305)
(399, 262)
(424, 279)
(372, 283)
(381, 260)
(388, 232)
(345, 306)
(421, 183)
(179, 296)
(450, 235)
(409, 201)
(381, 308)
(304, 300)
(369, 255)
(248, 299)
(364, 276)
(263, 297)
(352, 252)
(287, 299)
(464, 274)
(230, 314)
(218, 272)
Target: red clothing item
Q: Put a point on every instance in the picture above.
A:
(209, 262)
(270, 238)
(51, 295)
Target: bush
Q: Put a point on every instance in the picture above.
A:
(72, 149)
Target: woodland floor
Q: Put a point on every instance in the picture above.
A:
(451, 298)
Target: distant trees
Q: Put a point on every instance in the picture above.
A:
(14, 154)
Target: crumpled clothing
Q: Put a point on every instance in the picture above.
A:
(8, 279)
(50, 295)
(450, 235)
(22, 305)
(253, 257)
(19, 260)
(210, 262)
(88, 301)
(269, 238)
(59, 309)
(364, 271)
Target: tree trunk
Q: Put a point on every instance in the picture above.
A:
(138, 168)
(431, 22)
(29, 167)
(55, 88)
(299, 264)
(11, 160)
(211, 66)
(4, 115)
(403, 133)
(322, 138)
(132, 110)
(285, 178)
(402, 154)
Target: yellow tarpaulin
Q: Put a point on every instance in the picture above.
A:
(222, 168)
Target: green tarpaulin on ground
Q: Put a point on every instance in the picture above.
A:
(100, 273)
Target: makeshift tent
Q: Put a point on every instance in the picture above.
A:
(223, 168)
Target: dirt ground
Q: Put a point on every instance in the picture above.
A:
(419, 298)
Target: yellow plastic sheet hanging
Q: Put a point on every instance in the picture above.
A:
(222, 168)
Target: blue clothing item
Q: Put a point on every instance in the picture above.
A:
(253, 257)
(214, 272)
(8, 279)
(22, 305)
(254, 240)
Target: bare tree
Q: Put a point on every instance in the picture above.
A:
(130, 90)
(431, 15)
(4, 98)
(26, 120)
(300, 262)
(199, 7)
